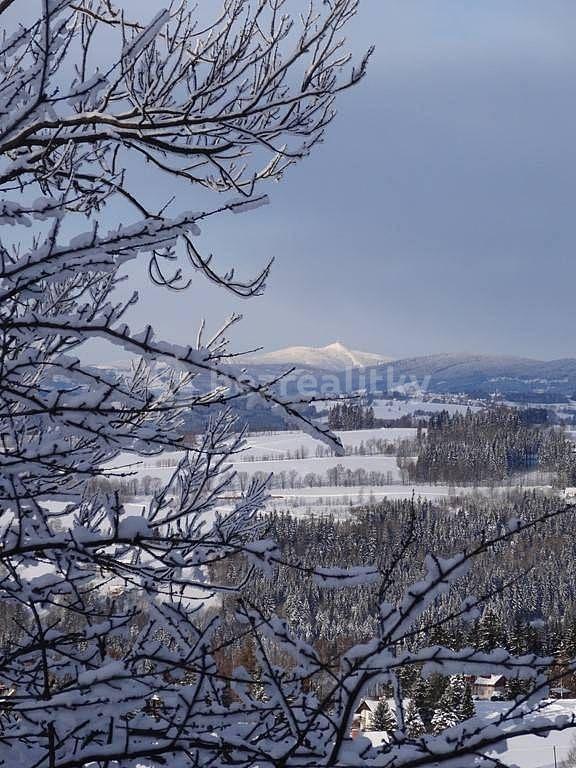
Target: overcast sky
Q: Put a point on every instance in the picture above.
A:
(439, 214)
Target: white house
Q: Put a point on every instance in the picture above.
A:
(364, 714)
(486, 688)
(365, 710)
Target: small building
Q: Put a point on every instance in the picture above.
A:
(488, 688)
(364, 714)
(570, 495)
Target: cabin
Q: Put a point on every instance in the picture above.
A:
(364, 713)
(488, 688)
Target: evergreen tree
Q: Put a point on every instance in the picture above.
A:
(418, 691)
(421, 698)
(409, 677)
(426, 694)
(383, 718)
(490, 631)
(516, 640)
(455, 705)
(456, 690)
(436, 688)
(369, 418)
(257, 689)
(413, 720)
(516, 687)
(468, 709)
(444, 715)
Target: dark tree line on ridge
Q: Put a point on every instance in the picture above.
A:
(489, 446)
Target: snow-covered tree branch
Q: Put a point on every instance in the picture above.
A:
(113, 610)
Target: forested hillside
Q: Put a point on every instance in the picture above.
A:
(528, 614)
(488, 446)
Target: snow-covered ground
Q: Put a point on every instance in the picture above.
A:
(394, 409)
(285, 444)
(524, 751)
(538, 752)
(535, 751)
(396, 491)
(339, 501)
(384, 464)
(162, 467)
(291, 456)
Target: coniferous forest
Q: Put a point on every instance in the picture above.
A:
(529, 588)
(490, 446)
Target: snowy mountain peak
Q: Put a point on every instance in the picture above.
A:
(333, 357)
(336, 347)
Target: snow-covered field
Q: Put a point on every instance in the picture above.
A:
(384, 464)
(287, 452)
(395, 491)
(535, 751)
(163, 467)
(394, 409)
(286, 444)
(524, 751)
(291, 458)
(339, 501)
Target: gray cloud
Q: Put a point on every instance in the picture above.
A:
(439, 213)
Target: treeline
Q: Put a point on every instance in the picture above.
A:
(334, 477)
(489, 446)
(434, 705)
(373, 446)
(346, 416)
(129, 487)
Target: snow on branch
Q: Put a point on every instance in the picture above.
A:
(124, 614)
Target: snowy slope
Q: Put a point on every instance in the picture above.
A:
(524, 751)
(334, 357)
(490, 373)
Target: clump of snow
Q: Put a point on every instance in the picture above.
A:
(133, 526)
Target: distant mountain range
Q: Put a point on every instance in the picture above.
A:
(451, 372)
(333, 357)
(485, 374)
(513, 377)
